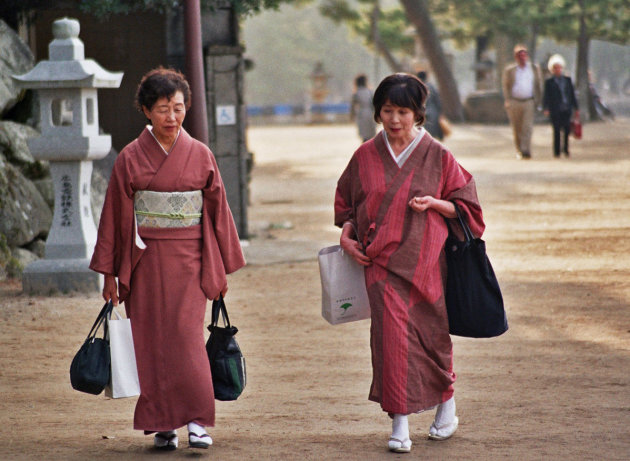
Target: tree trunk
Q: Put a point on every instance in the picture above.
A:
(380, 46)
(581, 77)
(418, 13)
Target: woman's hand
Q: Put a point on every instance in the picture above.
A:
(352, 247)
(110, 289)
(444, 207)
(222, 293)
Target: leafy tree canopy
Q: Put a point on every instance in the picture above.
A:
(12, 11)
(607, 20)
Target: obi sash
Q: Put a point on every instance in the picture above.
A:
(168, 209)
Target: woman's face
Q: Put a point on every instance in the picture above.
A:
(398, 122)
(557, 69)
(167, 116)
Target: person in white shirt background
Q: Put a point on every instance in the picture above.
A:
(522, 94)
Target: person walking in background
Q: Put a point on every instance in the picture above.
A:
(522, 93)
(559, 102)
(167, 233)
(361, 108)
(433, 109)
(396, 191)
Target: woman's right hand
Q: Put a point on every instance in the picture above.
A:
(353, 248)
(110, 289)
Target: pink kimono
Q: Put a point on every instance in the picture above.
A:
(412, 353)
(165, 286)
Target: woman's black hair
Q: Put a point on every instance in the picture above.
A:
(402, 90)
(161, 83)
(360, 80)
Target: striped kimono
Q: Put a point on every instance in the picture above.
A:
(412, 353)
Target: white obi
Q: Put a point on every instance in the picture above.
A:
(168, 209)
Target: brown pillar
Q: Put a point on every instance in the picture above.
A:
(197, 117)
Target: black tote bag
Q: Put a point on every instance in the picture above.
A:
(90, 368)
(473, 297)
(227, 363)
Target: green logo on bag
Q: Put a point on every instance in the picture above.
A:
(345, 306)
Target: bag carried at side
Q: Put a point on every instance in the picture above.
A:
(124, 377)
(576, 128)
(344, 295)
(227, 363)
(473, 297)
(90, 368)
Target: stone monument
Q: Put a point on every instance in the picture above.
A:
(67, 88)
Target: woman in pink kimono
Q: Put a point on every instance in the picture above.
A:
(396, 192)
(167, 234)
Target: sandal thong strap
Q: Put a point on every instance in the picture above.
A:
(165, 437)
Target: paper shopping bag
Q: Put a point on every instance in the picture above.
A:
(344, 296)
(124, 378)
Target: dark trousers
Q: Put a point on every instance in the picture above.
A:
(561, 122)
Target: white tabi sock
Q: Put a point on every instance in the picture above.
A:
(196, 428)
(400, 427)
(445, 414)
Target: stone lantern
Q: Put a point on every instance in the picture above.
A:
(67, 85)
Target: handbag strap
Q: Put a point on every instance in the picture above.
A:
(356, 233)
(218, 306)
(100, 320)
(468, 235)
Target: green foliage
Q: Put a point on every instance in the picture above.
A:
(101, 8)
(392, 23)
(285, 46)
(521, 19)
(8, 264)
(15, 10)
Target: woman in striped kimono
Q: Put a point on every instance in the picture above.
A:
(396, 191)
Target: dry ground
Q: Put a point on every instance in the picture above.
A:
(556, 386)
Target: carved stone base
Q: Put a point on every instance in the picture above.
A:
(48, 276)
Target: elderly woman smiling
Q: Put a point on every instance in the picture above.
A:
(167, 234)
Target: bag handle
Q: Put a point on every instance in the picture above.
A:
(100, 320)
(218, 306)
(468, 235)
(356, 233)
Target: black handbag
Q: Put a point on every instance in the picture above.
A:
(90, 368)
(227, 363)
(473, 297)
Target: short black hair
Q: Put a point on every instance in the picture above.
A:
(161, 83)
(402, 90)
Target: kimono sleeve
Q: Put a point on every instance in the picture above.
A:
(343, 196)
(115, 252)
(221, 252)
(459, 185)
(108, 251)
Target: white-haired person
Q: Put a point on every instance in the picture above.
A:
(559, 104)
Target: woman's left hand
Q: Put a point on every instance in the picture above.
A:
(222, 294)
(421, 204)
(444, 207)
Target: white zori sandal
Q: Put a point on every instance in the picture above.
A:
(445, 423)
(399, 446)
(165, 440)
(443, 432)
(197, 437)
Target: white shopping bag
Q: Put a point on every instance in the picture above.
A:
(124, 381)
(344, 296)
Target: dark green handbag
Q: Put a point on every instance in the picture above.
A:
(227, 363)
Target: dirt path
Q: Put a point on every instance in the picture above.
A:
(556, 386)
